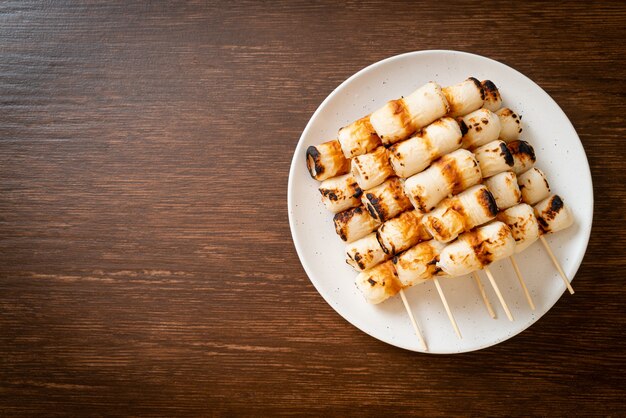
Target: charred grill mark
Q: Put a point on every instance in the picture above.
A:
(508, 157)
(522, 150)
(450, 171)
(313, 161)
(341, 220)
(490, 90)
(487, 201)
(331, 194)
(464, 127)
(545, 180)
(478, 86)
(399, 109)
(556, 204)
(478, 246)
(371, 281)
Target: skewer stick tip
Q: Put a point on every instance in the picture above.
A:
(500, 297)
(448, 311)
(557, 264)
(416, 327)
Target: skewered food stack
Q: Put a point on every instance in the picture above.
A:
(404, 184)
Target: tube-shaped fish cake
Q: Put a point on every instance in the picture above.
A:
(365, 253)
(387, 200)
(523, 156)
(493, 101)
(553, 215)
(358, 138)
(340, 193)
(504, 189)
(400, 118)
(372, 169)
(450, 174)
(479, 128)
(326, 160)
(402, 232)
(477, 249)
(533, 185)
(417, 264)
(510, 124)
(464, 97)
(354, 223)
(523, 224)
(415, 154)
(494, 158)
(379, 283)
(460, 213)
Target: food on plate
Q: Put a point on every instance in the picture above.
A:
(365, 253)
(523, 156)
(340, 193)
(493, 158)
(358, 138)
(326, 160)
(493, 101)
(379, 283)
(402, 232)
(476, 249)
(479, 128)
(387, 200)
(450, 174)
(504, 188)
(460, 213)
(523, 224)
(354, 223)
(464, 97)
(510, 124)
(400, 118)
(372, 169)
(416, 153)
(417, 264)
(534, 186)
(553, 215)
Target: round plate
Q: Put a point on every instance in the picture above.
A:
(559, 154)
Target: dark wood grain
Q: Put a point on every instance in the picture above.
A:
(146, 264)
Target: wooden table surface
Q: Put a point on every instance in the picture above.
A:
(146, 262)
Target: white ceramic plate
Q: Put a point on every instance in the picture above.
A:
(559, 154)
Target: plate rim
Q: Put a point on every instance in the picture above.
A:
(295, 161)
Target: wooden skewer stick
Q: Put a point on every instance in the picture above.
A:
(495, 287)
(484, 295)
(518, 273)
(557, 264)
(445, 304)
(416, 327)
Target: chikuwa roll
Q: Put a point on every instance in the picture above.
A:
(477, 249)
(365, 253)
(479, 128)
(417, 264)
(504, 189)
(326, 160)
(510, 124)
(415, 154)
(493, 101)
(340, 193)
(401, 232)
(460, 213)
(358, 138)
(372, 169)
(523, 156)
(553, 215)
(398, 119)
(450, 174)
(387, 200)
(379, 283)
(534, 186)
(523, 224)
(464, 97)
(354, 223)
(494, 158)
